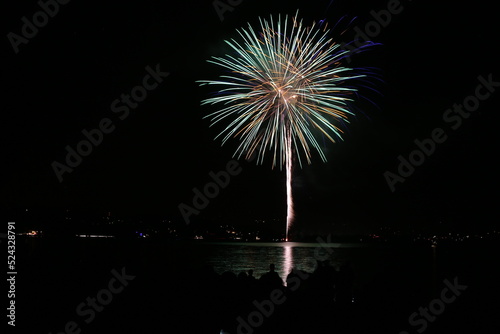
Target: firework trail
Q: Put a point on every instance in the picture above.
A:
(284, 89)
(289, 195)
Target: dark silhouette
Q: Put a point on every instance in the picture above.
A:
(251, 277)
(344, 285)
(323, 281)
(242, 276)
(321, 297)
(271, 279)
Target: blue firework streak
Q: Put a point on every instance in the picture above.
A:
(286, 81)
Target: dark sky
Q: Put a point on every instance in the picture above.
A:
(65, 78)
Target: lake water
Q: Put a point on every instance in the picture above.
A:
(390, 282)
(238, 257)
(366, 260)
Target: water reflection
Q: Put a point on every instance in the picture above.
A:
(287, 264)
(244, 256)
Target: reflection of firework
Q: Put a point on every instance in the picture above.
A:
(286, 90)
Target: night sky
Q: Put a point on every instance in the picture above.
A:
(65, 79)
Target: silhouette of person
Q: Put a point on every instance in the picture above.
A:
(271, 279)
(251, 277)
(242, 276)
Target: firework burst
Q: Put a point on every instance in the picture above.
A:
(285, 88)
